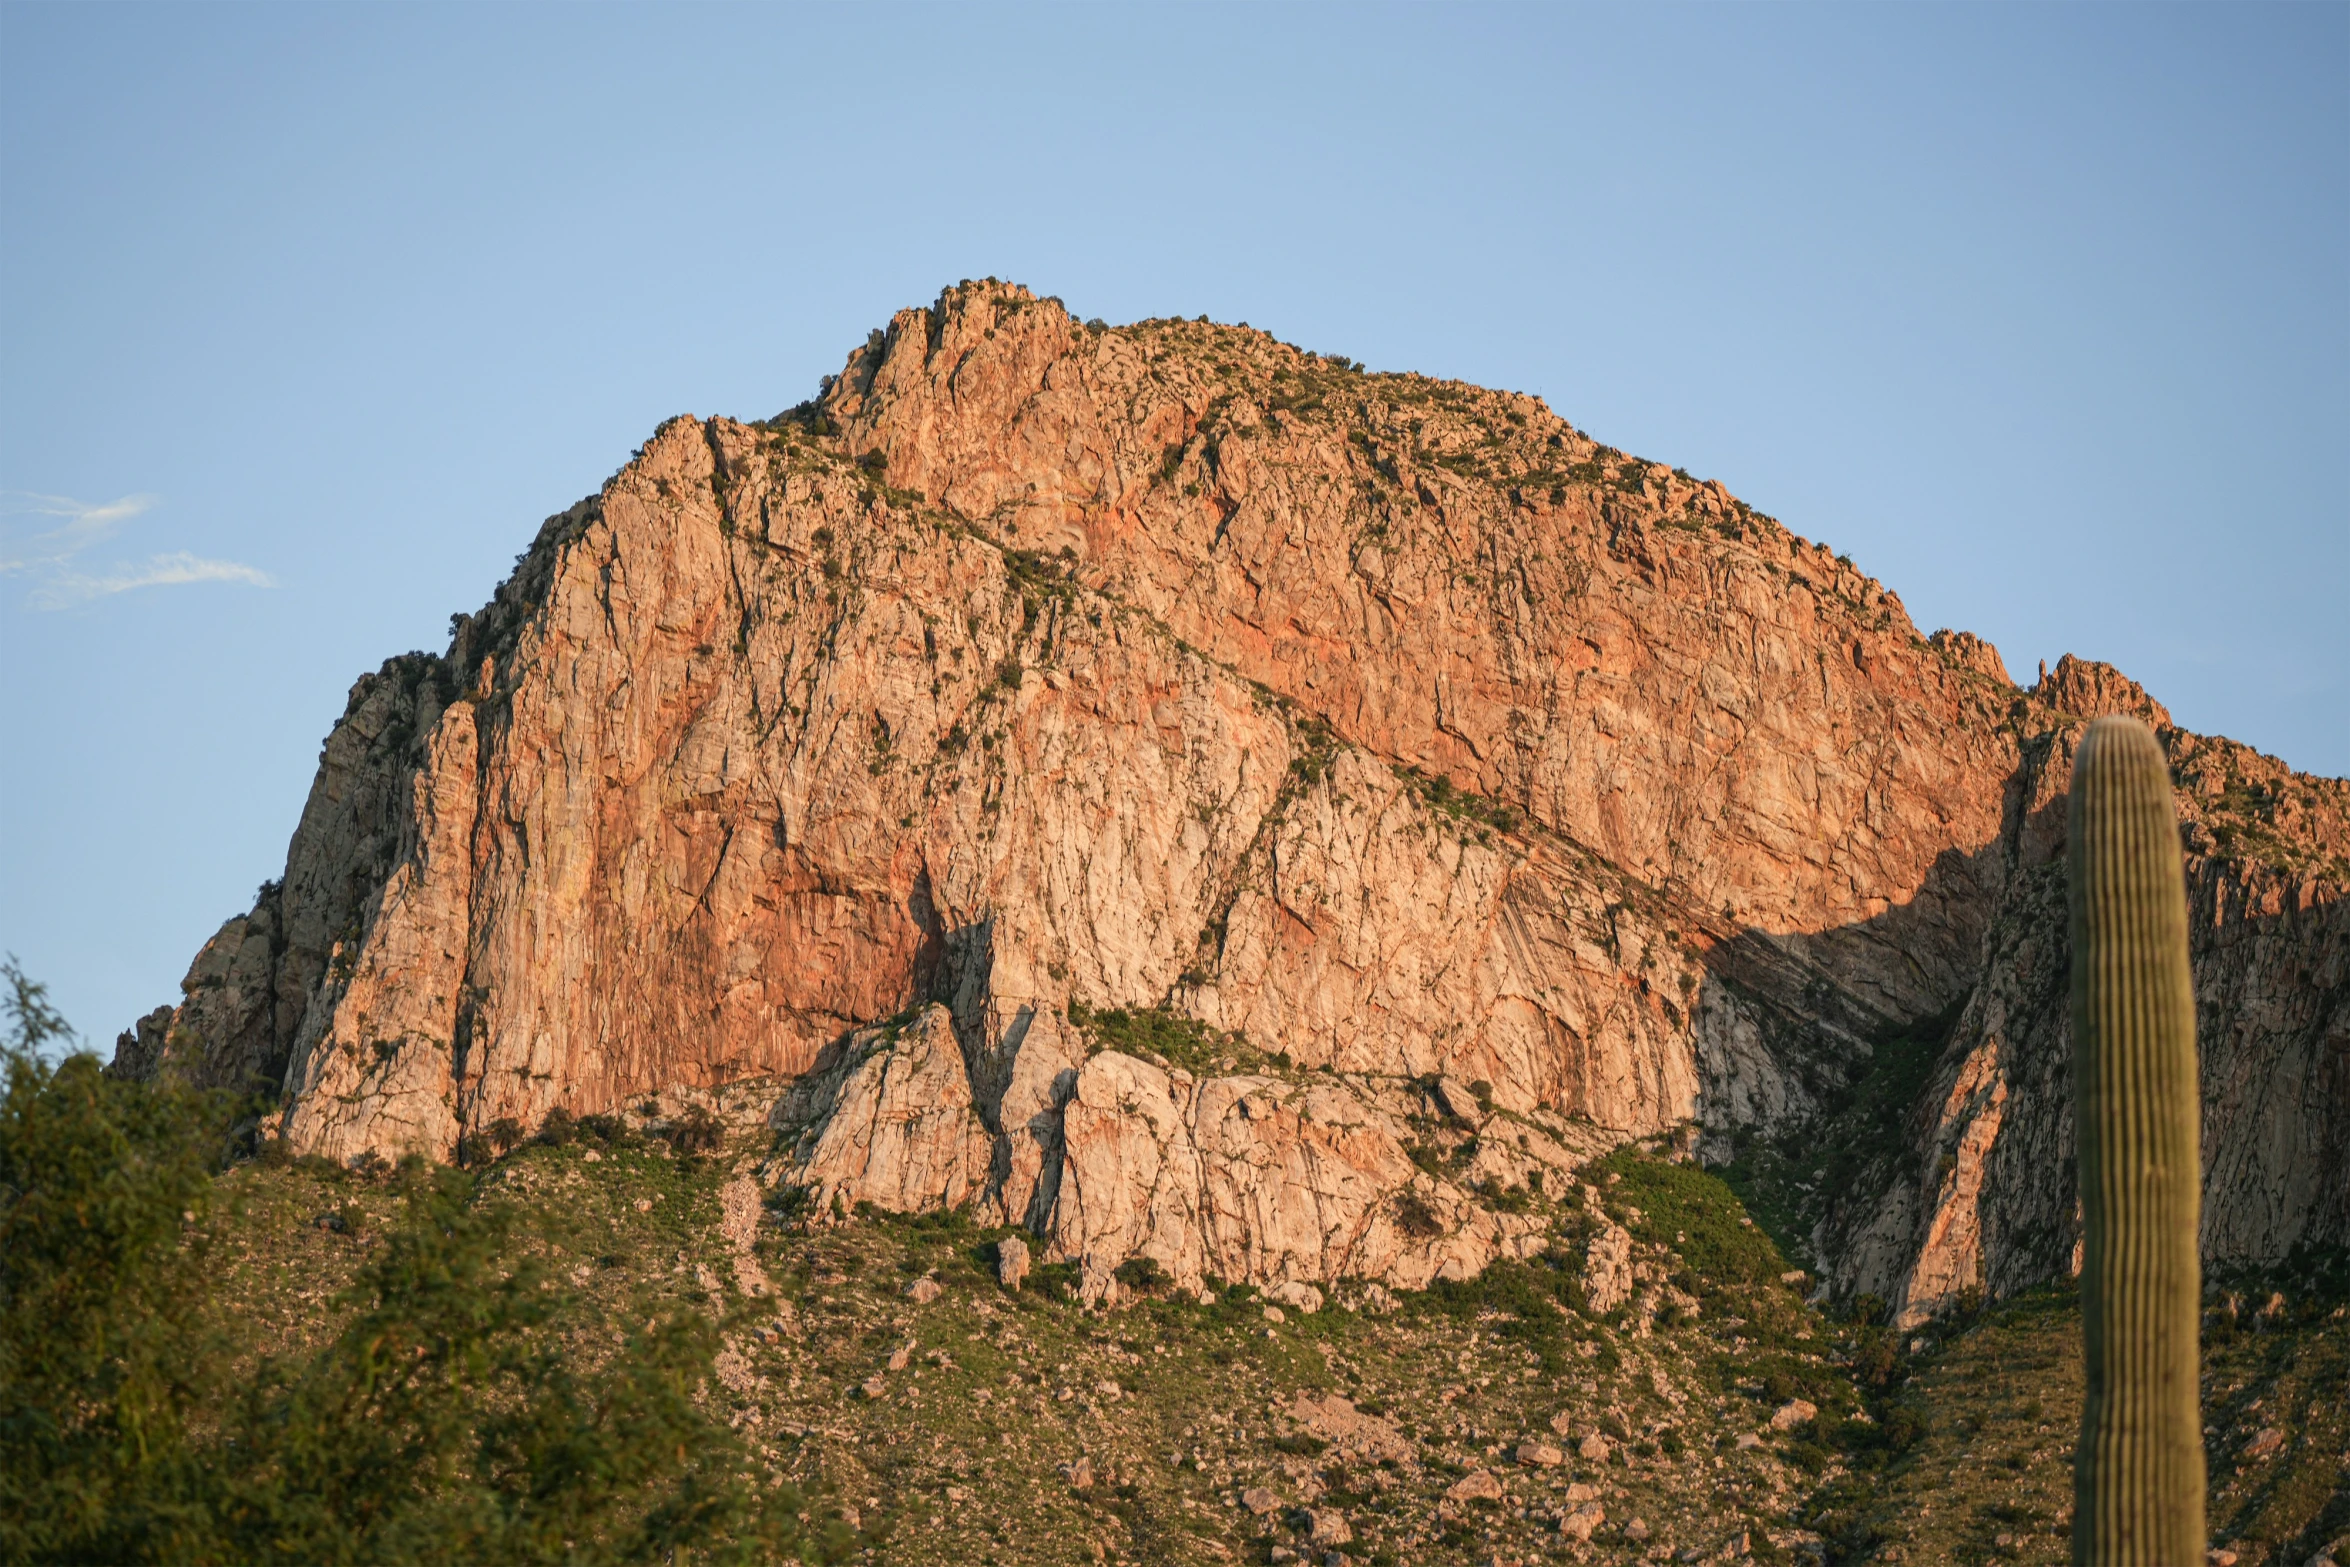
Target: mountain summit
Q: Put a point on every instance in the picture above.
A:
(1210, 804)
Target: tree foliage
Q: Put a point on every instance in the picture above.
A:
(469, 1410)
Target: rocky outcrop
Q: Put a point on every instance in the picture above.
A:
(1983, 1197)
(1460, 581)
(891, 1123)
(1607, 1269)
(1467, 795)
(1260, 1179)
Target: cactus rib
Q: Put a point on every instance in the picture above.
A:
(2138, 1471)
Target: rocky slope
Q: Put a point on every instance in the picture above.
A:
(1651, 1385)
(1207, 803)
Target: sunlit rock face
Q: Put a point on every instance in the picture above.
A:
(1375, 733)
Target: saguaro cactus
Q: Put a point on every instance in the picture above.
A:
(2138, 1472)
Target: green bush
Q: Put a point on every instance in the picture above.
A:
(1531, 1304)
(1184, 1041)
(1696, 1214)
(1414, 1217)
(697, 1131)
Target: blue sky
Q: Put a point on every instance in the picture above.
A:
(308, 316)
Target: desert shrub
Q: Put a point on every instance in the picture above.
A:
(1529, 1303)
(1509, 1199)
(1414, 1217)
(605, 1129)
(450, 1420)
(1871, 1444)
(697, 1131)
(1876, 1360)
(1161, 1031)
(1052, 1281)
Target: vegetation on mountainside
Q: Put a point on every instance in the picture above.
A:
(1997, 1403)
(1164, 1034)
(458, 1404)
(992, 1426)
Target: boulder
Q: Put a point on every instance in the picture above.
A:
(1352, 1435)
(1326, 1527)
(1011, 1261)
(1578, 1522)
(1295, 1294)
(1607, 1269)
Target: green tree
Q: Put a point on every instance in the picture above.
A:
(453, 1419)
(104, 1192)
(469, 1409)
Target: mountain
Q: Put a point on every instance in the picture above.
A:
(1207, 803)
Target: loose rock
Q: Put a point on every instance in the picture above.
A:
(1011, 1261)
(1327, 1527)
(1607, 1269)
(1303, 1297)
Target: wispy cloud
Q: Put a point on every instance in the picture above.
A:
(84, 526)
(49, 556)
(67, 588)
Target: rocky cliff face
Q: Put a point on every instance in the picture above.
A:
(1210, 804)
(1971, 1203)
